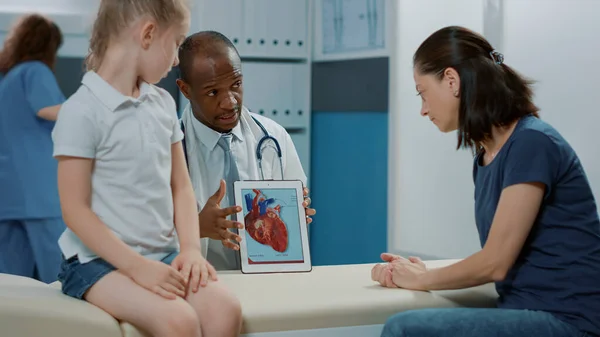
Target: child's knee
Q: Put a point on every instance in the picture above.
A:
(231, 311)
(178, 320)
(233, 306)
(227, 301)
(220, 310)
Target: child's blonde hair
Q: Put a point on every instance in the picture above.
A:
(116, 15)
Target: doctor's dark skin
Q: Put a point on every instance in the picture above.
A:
(215, 92)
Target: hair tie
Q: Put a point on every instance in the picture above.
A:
(497, 57)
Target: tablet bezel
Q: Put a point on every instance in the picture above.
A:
(247, 268)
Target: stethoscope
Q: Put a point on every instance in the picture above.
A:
(259, 147)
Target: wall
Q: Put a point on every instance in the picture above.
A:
(563, 57)
(271, 62)
(349, 161)
(430, 205)
(70, 70)
(431, 188)
(74, 17)
(52, 5)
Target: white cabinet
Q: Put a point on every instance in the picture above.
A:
(275, 29)
(278, 90)
(224, 16)
(351, 28)
(273, 39)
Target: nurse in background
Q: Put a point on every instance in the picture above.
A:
(30, 214)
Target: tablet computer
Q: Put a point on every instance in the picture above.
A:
(275, 237)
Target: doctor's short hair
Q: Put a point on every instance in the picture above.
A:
(33, 38)
(491, 92)
(208, 43)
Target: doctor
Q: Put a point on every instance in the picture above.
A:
(221, 141)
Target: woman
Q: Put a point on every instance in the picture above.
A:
(30, 214)
(534, 209)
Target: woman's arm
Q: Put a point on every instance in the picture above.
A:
(516, 213)
(49, 113)
(186, 208)
(42, 91)
(531, 166)
(74, 187)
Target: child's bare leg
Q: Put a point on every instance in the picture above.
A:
(219, 310)
(125, 300)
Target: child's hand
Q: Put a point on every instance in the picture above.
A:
(192, 264)
(159, 278)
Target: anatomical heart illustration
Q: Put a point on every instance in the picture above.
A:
(263, 222)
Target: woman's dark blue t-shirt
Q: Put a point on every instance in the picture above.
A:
(558, 270)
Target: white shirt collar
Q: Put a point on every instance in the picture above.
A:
(210, 137)
(110, 96)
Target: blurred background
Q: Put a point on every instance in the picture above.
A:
(338, 75)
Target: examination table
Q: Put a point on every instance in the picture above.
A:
(330, 301)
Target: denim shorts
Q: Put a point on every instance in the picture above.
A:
(76, 278)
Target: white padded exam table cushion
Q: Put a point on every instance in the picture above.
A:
(327, 297)
(336, 296)
(32, 308)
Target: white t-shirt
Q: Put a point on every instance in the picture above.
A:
(206, 164)
(130, 141)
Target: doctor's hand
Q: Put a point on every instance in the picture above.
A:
(309, 211)
(214, 223)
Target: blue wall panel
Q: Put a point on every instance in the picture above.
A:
(349, 187)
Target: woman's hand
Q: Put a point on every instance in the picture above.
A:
(399, 272)
(382, 273)
(407, 273)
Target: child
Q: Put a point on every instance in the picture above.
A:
(124, 187)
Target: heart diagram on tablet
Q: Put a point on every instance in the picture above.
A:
(263, 222)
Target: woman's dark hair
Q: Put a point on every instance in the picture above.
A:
(34, 37)
(491, 93)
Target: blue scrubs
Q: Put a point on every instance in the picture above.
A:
(30, 215)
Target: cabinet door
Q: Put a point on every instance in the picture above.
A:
(278, 90)
(223, 16)
(277, 28)
(255, 28)
(289, 28)
(377, 23)
(299, 37)
(355, 25)
(352, 25)
(331, 25)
